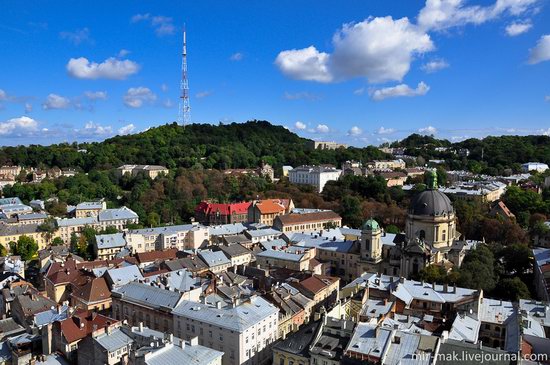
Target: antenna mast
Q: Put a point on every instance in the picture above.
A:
(184, 117)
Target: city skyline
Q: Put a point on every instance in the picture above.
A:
(361, 74)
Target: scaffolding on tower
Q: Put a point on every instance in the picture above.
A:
(184, 114)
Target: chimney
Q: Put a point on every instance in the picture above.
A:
(454, 288)
(219, 305)
(433, 285)
(194, 341)
(140, 326)
(445, 288)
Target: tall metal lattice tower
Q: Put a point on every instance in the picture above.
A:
(184, 115)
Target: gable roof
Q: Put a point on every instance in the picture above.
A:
(145, 257)
(294, 218)
(207, 208)
(81, 324)
(148, 295)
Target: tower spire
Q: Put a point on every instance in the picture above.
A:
(184, 115)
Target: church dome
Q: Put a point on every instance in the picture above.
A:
(431, 203)
(371, 225)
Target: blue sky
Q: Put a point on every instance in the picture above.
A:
(362, 72)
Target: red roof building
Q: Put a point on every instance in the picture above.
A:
(215, 213)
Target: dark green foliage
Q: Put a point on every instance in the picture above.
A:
(26, 247)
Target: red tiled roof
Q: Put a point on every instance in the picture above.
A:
(156, 255)
(81, 324)
(90, 289)
(295, 218)
(224, 209)
(316, 283)
(62, 272)
(270, 206)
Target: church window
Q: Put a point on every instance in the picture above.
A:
(367, 244)
(444, 234)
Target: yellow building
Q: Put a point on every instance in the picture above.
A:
(10, 233)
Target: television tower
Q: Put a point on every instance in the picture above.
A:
(184, 117)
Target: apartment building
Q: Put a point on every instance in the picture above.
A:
(151, 171)
(107, 246)
(215, 213)
(243, 331)
(181, 237)
(307, 221)
(316, 176)
(265, 211)
(11, 233)
(89, 209)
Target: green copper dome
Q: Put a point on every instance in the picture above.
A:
(371, 225)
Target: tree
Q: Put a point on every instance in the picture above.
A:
(433, 274)
(391, 228)
(512, 289)
(517, 258)
(351, 211)
(3, 251)
(26, 247)
(477, 270)
(57, 241)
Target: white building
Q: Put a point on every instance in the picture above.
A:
(316, 176)
(182, 237)
(242, 331)
(534, 166)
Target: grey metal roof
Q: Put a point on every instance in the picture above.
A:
(114, 240)
(280, 255)
(124, 275)
(69, 222)
(114, 340)
(263, 232)
(465, 328)
(8, 230)
(117, 214)
(431, 203)
(166, 229)
(226, 229)
(10, 201)
(180, 280)
(214, 258)
(29, 216)
(237, 319)
(234, 250)
(90, 205)
(148, 295)
(51, 315)
(171, 354)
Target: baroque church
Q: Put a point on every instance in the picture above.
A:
(430, 237)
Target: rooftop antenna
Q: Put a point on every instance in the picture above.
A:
(184, 115)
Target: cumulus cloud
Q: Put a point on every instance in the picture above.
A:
(54, 101)
(18, 126)
(359, 91)
(427, 130)
(123, 53)
(300, 95)
(203, 94)
(76, 37)
(305, 64)
(322, 128)
(383, 130)
(96, 95)
(238, 56)
(163, 25)
(517, 28)
(379, 49)
(355, 131)
(444, 14)
(135, 97)
(434, 66)
(127, 129)
(300, 126)
(399, 91)
(92, 129)
(111, 68)
(541, 52)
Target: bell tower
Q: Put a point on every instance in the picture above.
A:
(371, 243)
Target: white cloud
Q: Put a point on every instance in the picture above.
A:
(92, 129)
(380, 49)
(111, 68)
(163, 25)
(76, 37)
(54, 101)
(300, 95)
(427, 130)
(516, 28)
(541, 52)
(203, 94)
(135, 97)
(123, 53)
(28, 108)
(236, 56)
(359, 91)
(444, 14)
(383, 130)
(96, 95)
(167, 103)
(398, 91)
(322, 128)
(355, 131)
(305, 64)
(434, 66)
(18, 126)
(164, 88)
(300, 126)
(3, 95)
(127, 129)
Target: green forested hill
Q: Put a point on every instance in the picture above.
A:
(236, 145)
